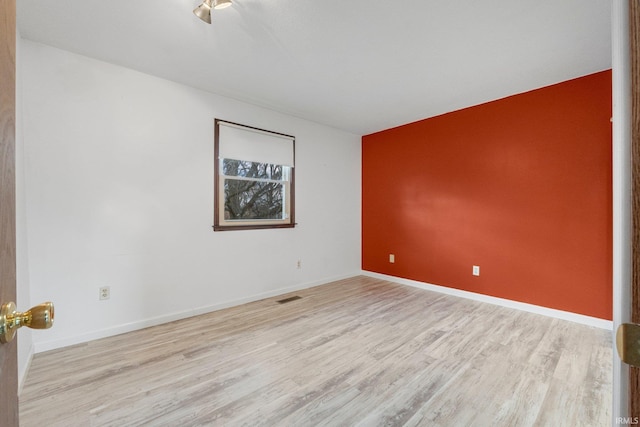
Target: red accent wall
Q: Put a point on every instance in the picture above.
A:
(520, 186)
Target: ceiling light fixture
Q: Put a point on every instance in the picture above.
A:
(204, 11)
(221, 4)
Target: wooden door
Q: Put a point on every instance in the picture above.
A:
(8, 352)
(634, 34)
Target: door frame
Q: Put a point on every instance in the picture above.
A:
(634, 42)
(626, 197)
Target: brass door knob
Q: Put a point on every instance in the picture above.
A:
(38, 317)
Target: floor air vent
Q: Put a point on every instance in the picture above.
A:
(282, 301)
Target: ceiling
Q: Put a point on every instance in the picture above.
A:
(357, 65)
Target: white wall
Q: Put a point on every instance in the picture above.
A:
(119, 193)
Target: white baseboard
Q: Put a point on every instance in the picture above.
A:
(22, 373)
(40, 347)
(545, 311)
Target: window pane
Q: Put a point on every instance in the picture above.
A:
(246, 169)
(254, 177)
(253, 199)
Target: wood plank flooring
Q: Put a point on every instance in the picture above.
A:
(358, 352)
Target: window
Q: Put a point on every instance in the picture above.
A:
(253, 178)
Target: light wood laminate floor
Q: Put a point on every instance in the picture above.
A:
(359, 351)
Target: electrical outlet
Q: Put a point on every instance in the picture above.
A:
(392, 258)
(476, 270)
(105, 292)
(299, 264)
